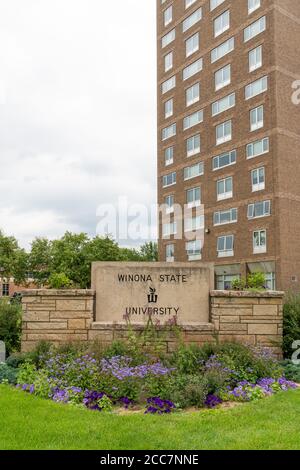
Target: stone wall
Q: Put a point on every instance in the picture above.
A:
(59, 316)
(68, 315)
(252, 318)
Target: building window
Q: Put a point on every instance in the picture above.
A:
(192, 45)
(169, 105)
(259, 241)
(256, 88)
(255, 149)
(222, 50)
(253, 5)
(5, 290)
(168, 38)
(193, 224)
(221, 24)
(270, 281)
(192, 69)
(258, 179)
(193, 197)
(169, 180)
(194, 250)
(225, 246)
(224, 281)
(193, 145)
(189, 3)
(168, 85)
(193, 94)
(168, 61)
(168, 16)
(169, 229)
(229, 216)
(255, 59)
(170, 253)
(192, 120)
(225, 188)
(223, 105)
(169, 156)
(192, 20)
(169, 132)
(254, 29)
(193, 171)
(223, 160)
(259, 209)
(215, 3)
(223, 132)
(169, 202)
(256, 118)
(223, 77)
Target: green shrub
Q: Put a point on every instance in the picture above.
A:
(16, 359)
(10, 325)
(8, 374)
(27, 374)
(254, 281)
(239, 284)
(40, 353)
(291, 324)
(248, 363)
(187, 359)
(195, 392)
(291, 371)
(217, 380)
(59, 281)
(182, 389)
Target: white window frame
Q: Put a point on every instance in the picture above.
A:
(225, 137)
(224, 20)
(266, 208)
(257, 118)
(223, 82)
(261, 184)
(259, 236)
(226, 252)
(221, 196)
(257, 54)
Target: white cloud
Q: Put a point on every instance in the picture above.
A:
(77, 112)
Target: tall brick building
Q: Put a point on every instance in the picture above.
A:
(229, 135)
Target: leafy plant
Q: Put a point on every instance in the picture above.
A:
(291, 371)
(8, 374)
(10, 326)
(254, 281)
(27, 374)
(59, 281)
(15, 360)
(291, 324)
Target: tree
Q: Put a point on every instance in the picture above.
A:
(13, 259)
(40, 261)
(149, 251)
(68, 256)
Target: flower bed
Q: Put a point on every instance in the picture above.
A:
(192, 376)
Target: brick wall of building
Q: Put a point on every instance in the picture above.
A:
(68, 315)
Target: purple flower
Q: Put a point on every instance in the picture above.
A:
(156, 405)
(212, 401)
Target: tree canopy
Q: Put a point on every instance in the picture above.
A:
(67, 259)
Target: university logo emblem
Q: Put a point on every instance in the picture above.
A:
(152, 296)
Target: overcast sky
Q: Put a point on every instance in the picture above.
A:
(77, 112)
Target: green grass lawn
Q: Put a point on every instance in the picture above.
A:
(28, 422)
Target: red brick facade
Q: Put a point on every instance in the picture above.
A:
(281, 125)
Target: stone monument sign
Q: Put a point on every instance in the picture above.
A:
(163, 290)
